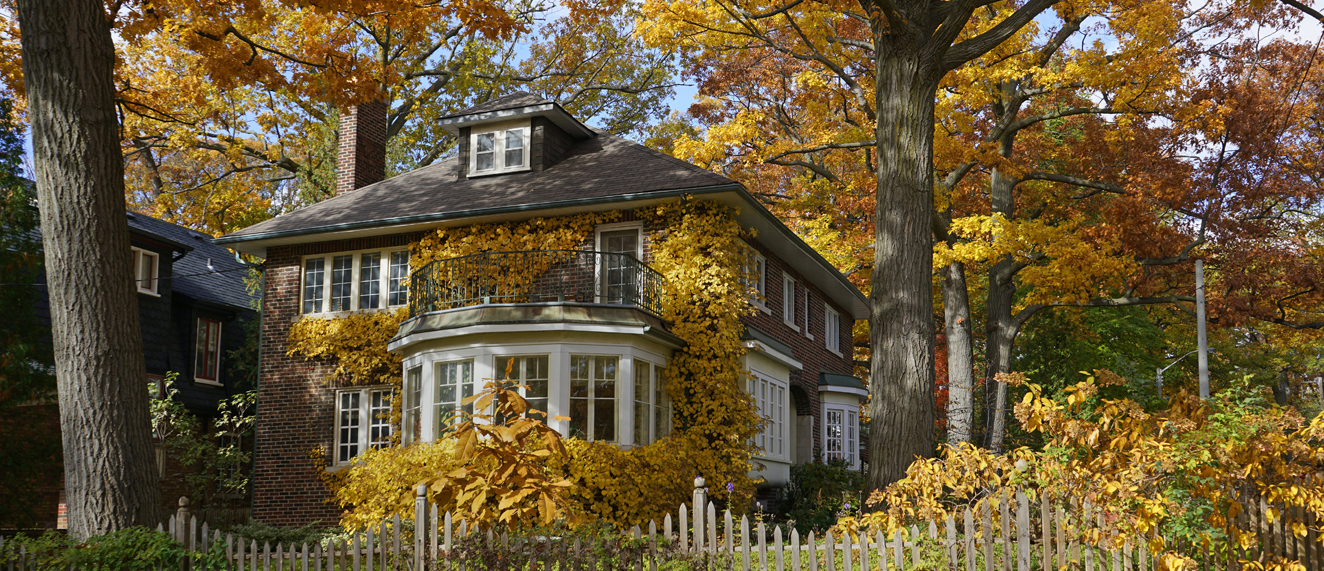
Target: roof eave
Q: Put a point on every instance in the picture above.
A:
(552, 111)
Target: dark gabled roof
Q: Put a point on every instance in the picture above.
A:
(513, 101)
(826, 379)
(222, 284)
(597, 169)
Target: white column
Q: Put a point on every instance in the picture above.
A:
(426, 398)
(558, 390)
(625, 401)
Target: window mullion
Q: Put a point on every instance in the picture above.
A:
(355, 262)
(327, 270)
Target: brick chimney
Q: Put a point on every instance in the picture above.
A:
(361, 159)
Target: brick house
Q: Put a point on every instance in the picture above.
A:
(583, 340)
(192, 307)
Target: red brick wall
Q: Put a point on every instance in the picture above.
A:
(812, 353)
(361, 157)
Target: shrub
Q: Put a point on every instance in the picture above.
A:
(819, 494)
(132, 549)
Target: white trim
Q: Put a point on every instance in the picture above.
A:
(364, 426)
(153, 287)
(775, 355)
(808, 334)
(781, 407)
(355, 281)
(498, 132)
(850, 433)
(862, 393)
(402, 342)
(788, 302)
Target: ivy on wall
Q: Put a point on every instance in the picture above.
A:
(703, 257)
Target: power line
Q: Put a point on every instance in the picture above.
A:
(148, 280)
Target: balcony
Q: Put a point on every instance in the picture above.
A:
(537, 276)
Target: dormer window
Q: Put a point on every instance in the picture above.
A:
(499, 151)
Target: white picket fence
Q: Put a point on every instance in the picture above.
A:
(1013, 533)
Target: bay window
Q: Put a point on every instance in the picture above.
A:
(355, 281)
(652, 410)
(769, 396)
(841, 434)
(530, 372)
(593, 397)
(453, 383)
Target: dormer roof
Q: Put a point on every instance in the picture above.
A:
(518, 105)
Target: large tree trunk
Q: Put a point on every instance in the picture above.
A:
(901, 319)
(960, 355)
(109, 465)
(1000, 325)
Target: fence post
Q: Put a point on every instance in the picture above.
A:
(700, 502)
(179, 531)
(421, 530)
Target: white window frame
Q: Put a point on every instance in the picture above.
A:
(788, 301)
(215, 379)
(850, 434)
(616, 227)
(475, 383)
(328, 261)
(498, 151)
(832, 330)
(152, 286)
(366, 422)
(657, 407)
(756, 278)
(808, 329)
(770, 396)
(521, 370)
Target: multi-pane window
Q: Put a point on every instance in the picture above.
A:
(530, 372)
(355, 281)
(409, 417)
(841, 434)
(146, 268)
(619, 275)
(399, 292)
(499, 151)
(652, 413)
(207, 351)
(756, 276)
(363, 420)
(313, 270)
(805, 310)
(832, 329)
(342, 281)
(593, 397)
(788, 301)
(770, 400)
(370, 281)
(454, 383)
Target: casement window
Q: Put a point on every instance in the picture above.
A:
(593, 397)
(652, 409)
(410, 422)
(146, 271)
(500, 151)
(832, 329)
(841, 439)
(531, 372)
(207, 352)
(454, 382)
(769, 396)
(788, 302)
(355, 281)
(363, 421)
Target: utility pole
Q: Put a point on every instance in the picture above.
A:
(1158, 372)
(1199, 329)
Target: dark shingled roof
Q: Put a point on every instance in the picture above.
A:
(225, 286)
(599, 168)
(513, 101)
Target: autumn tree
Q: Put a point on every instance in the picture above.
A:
(68, 61)
(231, 109)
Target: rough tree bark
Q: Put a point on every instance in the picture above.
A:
(109, 465)
(960, 355)
(913, 49)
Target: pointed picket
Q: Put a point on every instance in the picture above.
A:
(830, 557)
(795, 550)
(684, 528)
(744, 540)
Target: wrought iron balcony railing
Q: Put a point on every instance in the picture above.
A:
(535, 276)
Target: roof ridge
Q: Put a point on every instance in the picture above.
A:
(659, 154)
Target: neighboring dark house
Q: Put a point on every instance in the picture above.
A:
(193, 305)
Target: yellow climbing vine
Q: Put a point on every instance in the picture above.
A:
(703, 256)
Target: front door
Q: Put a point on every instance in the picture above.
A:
(620, 267)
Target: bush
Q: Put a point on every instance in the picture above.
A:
(132, 549)
(819, 494)
(264, 533)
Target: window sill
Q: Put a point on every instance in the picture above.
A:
(761, 307)
(338, 314)
(198, 381)
(473, 174)
(809, 335)
(149, 292)
(837, 353)
(793, 326)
